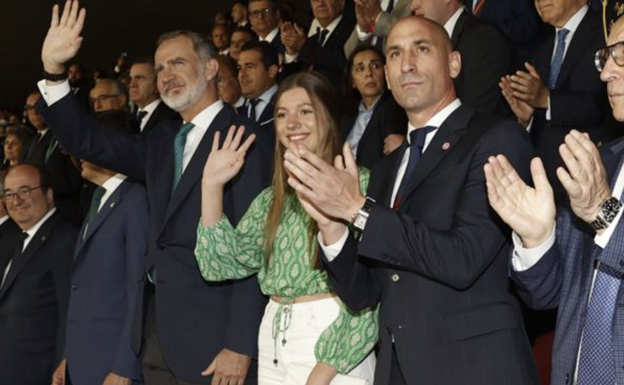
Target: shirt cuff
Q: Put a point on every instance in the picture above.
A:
(523, 259)
(290, 58)
(52, 94)
(530, 125)
(361, 34)
(548, 110)
(603, 239)
(332, 251)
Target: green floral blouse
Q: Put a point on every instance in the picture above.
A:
(224, 253)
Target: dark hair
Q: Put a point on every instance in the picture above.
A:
(229, 63)
(202, 47)
(351, 96)
(244, 30)
(143, 60)
(268, 55)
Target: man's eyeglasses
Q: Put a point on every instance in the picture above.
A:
(28, 107)
(23, 194)
(615, 51)
(102, 98)
(260, 12)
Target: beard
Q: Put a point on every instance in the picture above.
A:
(193, 92)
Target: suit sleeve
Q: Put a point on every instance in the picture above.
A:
(247, 302)
(456, 256)
(125, 362)
(80, 135)
(61, 277)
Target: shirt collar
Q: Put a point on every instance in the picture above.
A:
(330, 27)
(269, 38)
(151, 107)
(362, 107)
(267, 95)
(573, 23)
(113, 182)
(438, 119)
(449, 26)
(4, 219)
(205, 118)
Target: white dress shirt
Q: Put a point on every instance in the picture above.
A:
(316, 25)
(150, 108)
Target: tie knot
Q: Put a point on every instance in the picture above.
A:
(23, 237)
(98, 193)
(561, 35)
(254, 102)
(418, 136)
(141, 114)
(185, 129)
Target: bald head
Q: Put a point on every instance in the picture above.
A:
(434, 29)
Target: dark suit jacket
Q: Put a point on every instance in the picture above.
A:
(105, 279)
(562, 278)
(485, 58)
(266, 120)
(160, 114)
(65, 177)
(438, 266)
(388, 118)
(196, 319)
(33, 304)
(7, 231)
(277, 44)
(329, 60)
(579, 99)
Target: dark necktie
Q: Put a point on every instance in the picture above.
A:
(417, 142)
(94, 207)
(17, 253)
(251, 109)
(557, 60)
(321, 35)
(596, 363)
(178, 152)
(390, 6)
(140, 115)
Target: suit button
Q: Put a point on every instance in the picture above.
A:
(74, 287)
(395, 278)
(161, 246)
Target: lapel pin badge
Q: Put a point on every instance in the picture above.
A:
(112, 204)
(446, 146)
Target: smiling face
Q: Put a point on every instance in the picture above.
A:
(28, 211)
(299, 119)
(420, 66)
(183, 77)
(613, 74)
(367, 73)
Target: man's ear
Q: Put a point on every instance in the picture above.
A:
(454, 64)
(273, 70)
(211, 70)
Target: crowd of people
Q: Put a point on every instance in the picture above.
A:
(370, 199)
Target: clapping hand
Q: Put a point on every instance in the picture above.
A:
(530, 212)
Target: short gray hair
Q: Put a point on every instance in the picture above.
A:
(202, 47)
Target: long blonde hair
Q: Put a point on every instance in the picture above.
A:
(323, 97)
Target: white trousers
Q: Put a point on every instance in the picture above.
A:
(308, 320)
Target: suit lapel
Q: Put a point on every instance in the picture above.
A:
(389, 178)
(267, 115)
(111, 203)
(459, 27)
(578, 46)
(443, 141)
(39, 239)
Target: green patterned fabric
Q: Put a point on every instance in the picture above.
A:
(224, 253)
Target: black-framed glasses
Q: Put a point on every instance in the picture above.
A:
(23, 193)
(615, 51)
(260, 12)
(102, 98)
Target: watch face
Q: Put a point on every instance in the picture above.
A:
(360, 222)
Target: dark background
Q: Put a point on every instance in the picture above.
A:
(111, 27)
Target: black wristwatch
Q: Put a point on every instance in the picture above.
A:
(360, 217)
(54, 77)
(609, 209)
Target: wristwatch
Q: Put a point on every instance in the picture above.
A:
(54, 77)
(609, 209)
(361, 216)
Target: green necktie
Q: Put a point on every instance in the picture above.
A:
(178, 152)
(96, 199)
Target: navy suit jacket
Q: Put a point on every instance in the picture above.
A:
(438, 266)
(33, 304)
(160, 114)
(579, 99)
(562, 278)
(196, 319)
(106, 276)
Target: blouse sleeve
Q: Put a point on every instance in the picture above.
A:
(348, 340)
(224, 253)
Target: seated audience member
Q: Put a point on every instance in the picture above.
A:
(222, 18)
(238, 39)
(264, 16)
(45, 152)
(323, 50)
(375, 125)
(15, 144)
(34, 287)
(374, 19)
(560, 89)
(78, 83)
(304, 324)
(425, 245)
(109, 102)
(144, 94)
(220, 37)
(239, 15)
(107, 271)
(229, 89)
(8, 228)
(257, 76)
(485, 54)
